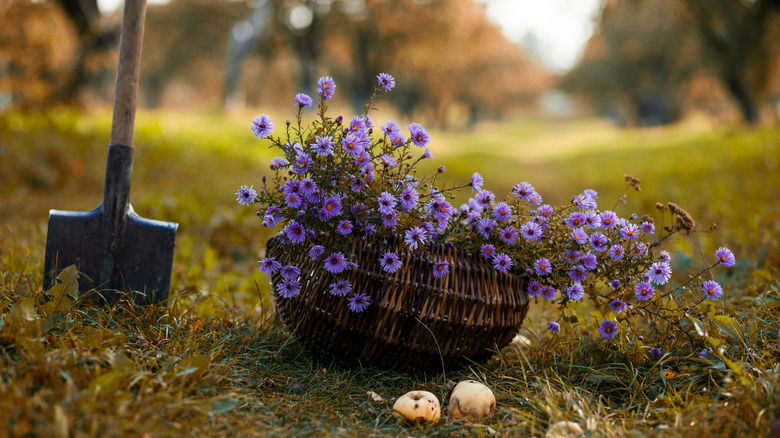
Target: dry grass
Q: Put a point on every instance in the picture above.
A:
(216, 362)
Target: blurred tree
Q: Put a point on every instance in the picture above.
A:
(735, 35)
(640, 63)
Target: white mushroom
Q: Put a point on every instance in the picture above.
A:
(471, 400)
(417, 406)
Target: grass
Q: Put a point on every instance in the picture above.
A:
(218, 363)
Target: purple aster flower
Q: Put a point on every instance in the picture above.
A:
(389, 219)
(323, 145)
(592, 219)
(359, 303)
(534, 288)
(608, 329)
(523, 190)
(531, 231)
(350, 144)
(484, 198)
(509, 235)
(485, 226)
(388, 160)
(584, 201)
(639, 249)
(617, 305)
(553, 327)
(415, 236)
(549, 293)
(262, 126)
(502, 262)
(303, 99)
(295, 232)
(326, 86)
(441, 269)
(542, 267)
(409, 198)
(575, 292)
(294, 200)
(391, 128)
(357, 124)
(615, 284)
(302, 162)
(598, 241)
(272, 216)
(573, 255)
(712, 289)
(576, 219)
(590, 261)
(340, 288)
(316, 251)
(476, 182)
(369, 230)
(535, 198)
(502, 211)
(656, 352)
(290, 272)
(488, 251)
(386, 202)
(386, 81)
(647, 227)
(608, 219)
(307, 186)
(578, 235)
(390, 262)
(660, 272)
(578, 273)
(288, 288)
(331, 207)
(291, 186)
(629, 231)
(344, 227)
(269, 265)
(725, 257)
(644, 291)
(246, 195)
(397, 140)
(418, 134)
(545, 211)
(427, 154)
(277, 163)
(363, 159)
(664, 256)
(616, 252)
(704, 354)
(335, 263)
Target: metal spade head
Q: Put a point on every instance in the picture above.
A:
(113, 247)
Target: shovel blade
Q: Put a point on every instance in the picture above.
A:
(140, 256)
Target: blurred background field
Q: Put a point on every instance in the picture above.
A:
(682, 94)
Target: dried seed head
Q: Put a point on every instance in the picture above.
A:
(633, 182)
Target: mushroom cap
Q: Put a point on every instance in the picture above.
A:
(417, 406)
(471, 400)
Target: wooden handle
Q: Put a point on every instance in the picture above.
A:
(127, 72)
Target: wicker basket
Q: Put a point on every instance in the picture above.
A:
(414, 320)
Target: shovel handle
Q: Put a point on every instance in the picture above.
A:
(127, 72)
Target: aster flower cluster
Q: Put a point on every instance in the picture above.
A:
(339, 179)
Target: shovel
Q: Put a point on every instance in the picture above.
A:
(113, 248)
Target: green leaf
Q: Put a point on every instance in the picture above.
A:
(729, 326)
